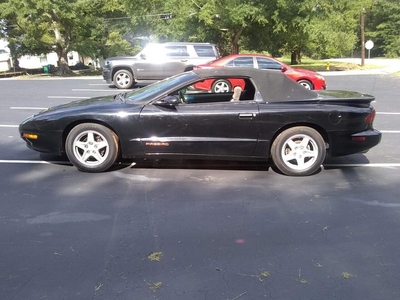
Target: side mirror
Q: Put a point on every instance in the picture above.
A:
(142, 56)
(168, 101)
(284, 69)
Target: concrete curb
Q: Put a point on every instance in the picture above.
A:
(359, 72)
(388, 66)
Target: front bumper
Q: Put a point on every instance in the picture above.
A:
(107, 75)
(47, 141)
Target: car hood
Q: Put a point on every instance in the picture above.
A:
(97, 101)
(304, 71)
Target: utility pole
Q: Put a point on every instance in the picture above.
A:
(362, 37)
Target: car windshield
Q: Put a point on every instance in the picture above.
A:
(158, 88)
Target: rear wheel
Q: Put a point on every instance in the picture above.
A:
(123, 79)
(298, 151)
(221, 86)
(92, 147)
(305, 83)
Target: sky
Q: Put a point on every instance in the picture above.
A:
(3, 44)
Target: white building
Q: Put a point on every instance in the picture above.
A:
(5, 61)
(32, 61)
(38, 61)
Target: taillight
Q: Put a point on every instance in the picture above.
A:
(370, 118)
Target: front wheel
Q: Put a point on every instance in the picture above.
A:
(123, 79)
(91, 147)
(298, 151)
(306, 84)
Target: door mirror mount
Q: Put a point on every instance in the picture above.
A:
(167, 101)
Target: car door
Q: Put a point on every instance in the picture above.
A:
(150, 64)
(200, 129)
(176, 59)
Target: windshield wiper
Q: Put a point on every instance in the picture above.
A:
(120, 97)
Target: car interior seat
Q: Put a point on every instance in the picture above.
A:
(249, 91)
(237, 91)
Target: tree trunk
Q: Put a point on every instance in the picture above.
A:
(298, 52)
(14, 55)
(235, 41)
(63, 67)
(293, 60)
(62, 64)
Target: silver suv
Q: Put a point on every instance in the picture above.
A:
(157, 61)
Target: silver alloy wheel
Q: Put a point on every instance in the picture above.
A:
(299, 152)
(123, 79)
(221, 86)
(90, 148)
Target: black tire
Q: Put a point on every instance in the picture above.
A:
(221, 86)
(298, 151)
(306, 84)
(91, 147)
(123, 79)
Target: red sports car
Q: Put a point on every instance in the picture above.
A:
(309, 79)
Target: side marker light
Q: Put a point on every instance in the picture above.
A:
(30, 136)
(359, 138)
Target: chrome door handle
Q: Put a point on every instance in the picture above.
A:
(246, 115)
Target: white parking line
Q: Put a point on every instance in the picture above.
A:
(9, 126)
(373, 165)
(388, 113)
(3, 161)
(27, 107)
(67, 97)
(94, 90)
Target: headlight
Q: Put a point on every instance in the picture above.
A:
(320, 77)
(27, 120)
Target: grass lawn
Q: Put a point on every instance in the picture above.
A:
(321, 65)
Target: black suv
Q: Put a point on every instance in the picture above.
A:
(157, 61)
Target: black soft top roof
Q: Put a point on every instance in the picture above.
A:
(273, 85)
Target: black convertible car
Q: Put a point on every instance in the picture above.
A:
(271, 118)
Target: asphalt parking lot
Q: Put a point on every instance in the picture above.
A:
(197, 230)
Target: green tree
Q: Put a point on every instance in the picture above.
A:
(383, 27)
(43, 26)
(335, 29)
(219, 21)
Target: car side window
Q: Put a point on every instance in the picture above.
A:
(241, 62)
(204, 51)
(198, 93)
(265, 63)
(176, 51)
